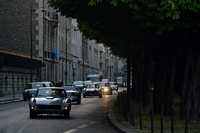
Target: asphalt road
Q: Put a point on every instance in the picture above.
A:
(89, 116)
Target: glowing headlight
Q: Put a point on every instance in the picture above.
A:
(105, 89)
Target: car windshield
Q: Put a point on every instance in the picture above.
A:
(92, 86)
(34, 86)
(70, 87)
(103, 84)
(112, 83)
(87, 82)
(49, 92)
(70, 94)
(78, 83)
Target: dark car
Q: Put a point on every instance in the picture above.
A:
(113, 85)
(79, 84)
(74, 93)
(50, 100)
(92, 89)
(106, 89)
(31, 88)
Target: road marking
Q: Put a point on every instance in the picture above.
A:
(24, 127)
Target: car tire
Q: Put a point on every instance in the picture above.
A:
(24, 98)
(32, 114)
(100, 96)
(84, 96)
(79, 102)
(66, 115)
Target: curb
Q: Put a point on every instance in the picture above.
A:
(117, 125)
(10, 100)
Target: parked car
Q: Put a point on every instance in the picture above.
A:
(92, 89)
(31, 88)
(50, 100)
(105, 88)
(79, 84)
(113, 85)
(74, 93)
(87, 82)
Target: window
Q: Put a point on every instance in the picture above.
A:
(17, 83)
(6, 83)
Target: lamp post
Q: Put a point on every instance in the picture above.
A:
(75, 29)
(31, 47)
(83, 55)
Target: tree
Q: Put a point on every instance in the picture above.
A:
(155, 26)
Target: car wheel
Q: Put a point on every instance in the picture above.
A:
(24, 99)
(32, 114)
(66, 115)
(100, 96)
(79, 102)
(84, 96)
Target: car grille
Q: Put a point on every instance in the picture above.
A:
(49, 106)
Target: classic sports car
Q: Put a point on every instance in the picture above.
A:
(74, 93)
(106, 89)
(50, 100)
(92, 89)
(113, 85)
(31, 89)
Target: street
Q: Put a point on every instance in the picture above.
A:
(89, 116)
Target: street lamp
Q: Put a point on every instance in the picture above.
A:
(31, 50)
(83, 55)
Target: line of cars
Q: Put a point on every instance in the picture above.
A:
(45, 98)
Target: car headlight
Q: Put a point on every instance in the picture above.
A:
(105, 89)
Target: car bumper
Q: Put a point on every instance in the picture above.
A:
(114, 88)
(92, 93)
(61, 110)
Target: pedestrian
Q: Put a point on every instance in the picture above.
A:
(53, 83)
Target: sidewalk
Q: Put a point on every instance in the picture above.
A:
(11, 98)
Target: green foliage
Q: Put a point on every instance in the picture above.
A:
(112, 21)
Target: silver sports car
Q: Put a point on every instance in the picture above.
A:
(50, 100)
(92, 89)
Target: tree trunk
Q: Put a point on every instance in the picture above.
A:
(169, 92)
(147, 75)
(135, 80)
(159, 85)
(191, 88)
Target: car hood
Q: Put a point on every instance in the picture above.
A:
(49, 101)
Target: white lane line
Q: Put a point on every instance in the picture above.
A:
(24, 127)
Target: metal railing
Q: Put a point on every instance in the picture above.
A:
(129, 114)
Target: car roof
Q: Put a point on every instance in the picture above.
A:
(52, 88)
(38, 82)
(92, 83)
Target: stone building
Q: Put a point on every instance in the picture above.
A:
(38, 44)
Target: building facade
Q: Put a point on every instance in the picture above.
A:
(38, 44)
